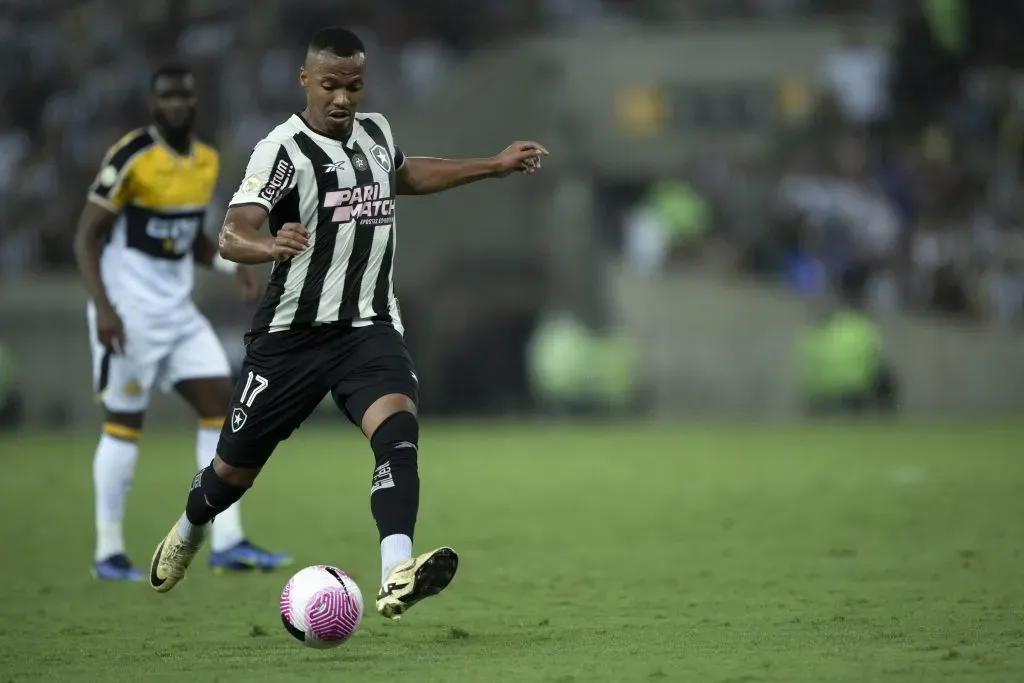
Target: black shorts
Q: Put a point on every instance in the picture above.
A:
(286, 375)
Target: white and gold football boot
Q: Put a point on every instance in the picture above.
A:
(171, 559)
(415, 579)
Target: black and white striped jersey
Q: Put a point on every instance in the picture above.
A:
(343, 193)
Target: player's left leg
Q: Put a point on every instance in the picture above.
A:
(198, 370)
(280, 387)
(377, 390)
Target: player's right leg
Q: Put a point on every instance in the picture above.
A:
(279, 387)
(122, 383)
(113, 469)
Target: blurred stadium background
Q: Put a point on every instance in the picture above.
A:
(745, 196)
(755, 211)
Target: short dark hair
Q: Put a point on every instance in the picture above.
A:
(338, 40)
(171, 69)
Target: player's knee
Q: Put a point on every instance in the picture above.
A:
(125, 426)
(242, 477)
(396, 439)
(383, 409)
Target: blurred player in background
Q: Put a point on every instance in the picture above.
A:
(138, 236)
(329, 321)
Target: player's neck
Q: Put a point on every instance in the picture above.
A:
(179, 141)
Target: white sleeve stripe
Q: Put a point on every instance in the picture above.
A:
(250, 201)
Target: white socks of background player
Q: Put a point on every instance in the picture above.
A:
(394, 549)
(113, 469)
(227, 527)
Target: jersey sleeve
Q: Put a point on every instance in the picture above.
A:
(399, 157)
(269, 177)
(112, 187)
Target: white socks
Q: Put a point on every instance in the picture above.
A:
(227, 528)
(113, 468)
(394, 550)
(190, 532)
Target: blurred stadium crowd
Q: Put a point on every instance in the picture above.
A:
(905, 180)
(903, 183)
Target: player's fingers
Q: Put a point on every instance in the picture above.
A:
(293, 236)
(295, 243)
(536, 147)
(291, 246)
(297, 228)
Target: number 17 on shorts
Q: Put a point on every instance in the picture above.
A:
(255, 385)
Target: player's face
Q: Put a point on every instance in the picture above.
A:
(334, 89)
(174, 103)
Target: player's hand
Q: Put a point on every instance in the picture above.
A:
(110, 329)
(291, 240)
(248, 283)
(522, 157)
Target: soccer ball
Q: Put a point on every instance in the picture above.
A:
(321, 606)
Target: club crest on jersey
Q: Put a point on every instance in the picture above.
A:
(359, 161)
(382, 157)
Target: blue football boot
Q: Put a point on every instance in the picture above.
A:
(246, 556)
(116, 568)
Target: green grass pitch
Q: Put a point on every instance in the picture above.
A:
(589, 553)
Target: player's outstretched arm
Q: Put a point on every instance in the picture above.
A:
(242, 241)
(426, 175)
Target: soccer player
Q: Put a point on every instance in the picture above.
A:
(329, 321)
(138, 236)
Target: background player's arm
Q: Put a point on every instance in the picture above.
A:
(426, 175)
(205, 251)
(94, 226)
(108, 194)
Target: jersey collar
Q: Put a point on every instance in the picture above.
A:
(347, 144)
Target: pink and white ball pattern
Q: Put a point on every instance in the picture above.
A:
(321, 606)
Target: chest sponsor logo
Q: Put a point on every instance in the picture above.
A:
(176, 235)
(366, 204)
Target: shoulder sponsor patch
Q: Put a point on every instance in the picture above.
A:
(251, 184)
(279, 182)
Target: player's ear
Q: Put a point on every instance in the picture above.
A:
(303, 78)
